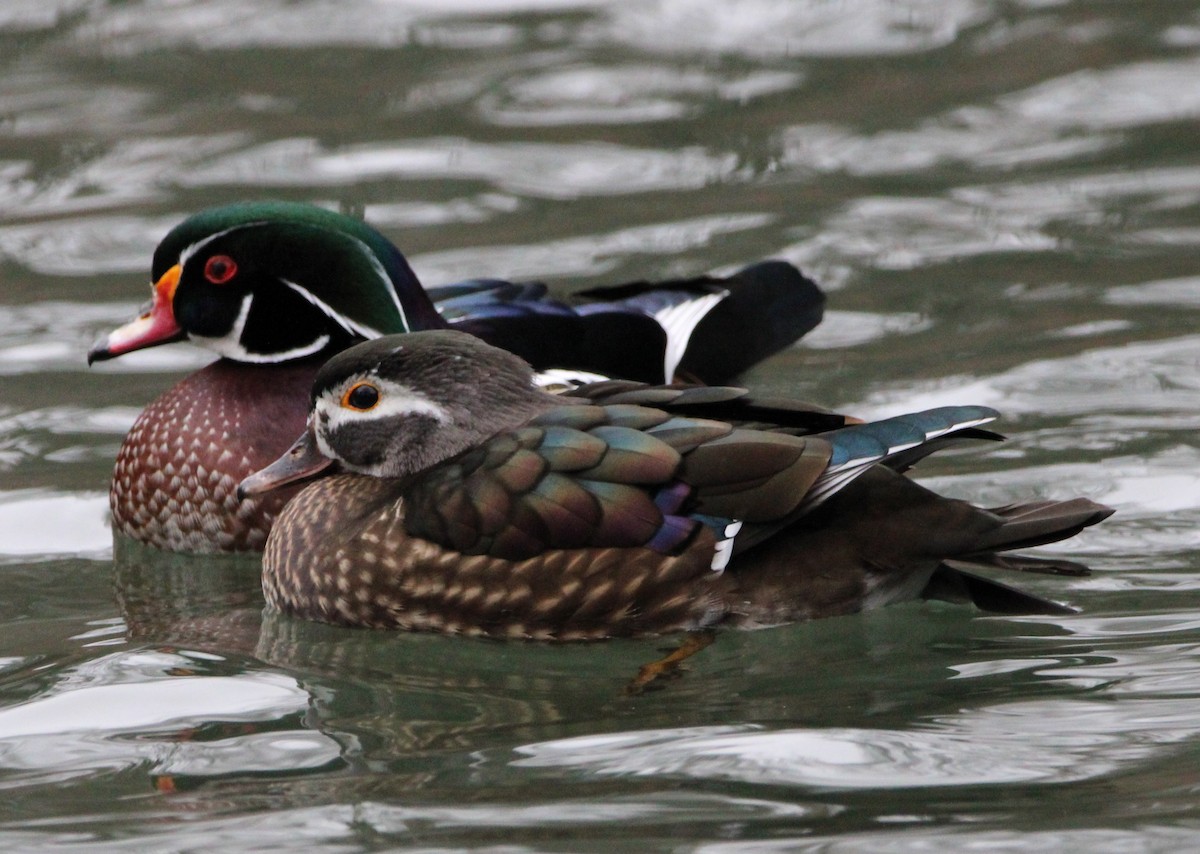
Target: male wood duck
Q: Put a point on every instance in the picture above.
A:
(462, 498)
(275, 288)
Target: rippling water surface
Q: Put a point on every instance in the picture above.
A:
(1003, 200)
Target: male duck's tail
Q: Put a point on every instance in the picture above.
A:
(708, 329)
(719, 327)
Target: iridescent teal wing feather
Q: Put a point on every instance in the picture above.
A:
(625, 476)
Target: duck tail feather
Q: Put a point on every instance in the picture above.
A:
(1040, 522)
(950, 583)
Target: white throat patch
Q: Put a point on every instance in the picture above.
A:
(230, 345)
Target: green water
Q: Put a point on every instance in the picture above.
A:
(1003, 201)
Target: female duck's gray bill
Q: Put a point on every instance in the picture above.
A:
(299, 462)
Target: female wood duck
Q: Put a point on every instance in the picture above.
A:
(464, 499)
(275, 288)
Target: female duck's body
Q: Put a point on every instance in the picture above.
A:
(474, 503)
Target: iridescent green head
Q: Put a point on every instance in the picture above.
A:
(274, 281)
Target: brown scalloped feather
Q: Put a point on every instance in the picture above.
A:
(684, 434)
(632, 457)
(566, 449)
(756, 477)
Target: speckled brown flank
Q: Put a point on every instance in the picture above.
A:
(419, 586)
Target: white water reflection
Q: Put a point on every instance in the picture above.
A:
(223, 24)
(534, 169)
(1033, 741)
(87, 247)
(855, 328)
(629, 94)
(589, 255)
(754, 28)
(1183, 292)
(41, 524)
(785, 28)
(894, 233)
(1156, 377)
(107, 176)
(340, 827)
(1128, 96)
(1059, 119)
(124, 709)
(920, 838)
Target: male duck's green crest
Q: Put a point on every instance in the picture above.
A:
(261, 282)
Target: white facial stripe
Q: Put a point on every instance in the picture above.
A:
(187, 253)
(389, 285)
(346, 323)
(230, 345)
(395, 401)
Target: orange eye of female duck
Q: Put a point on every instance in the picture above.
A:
(219, 269)
(361, 396)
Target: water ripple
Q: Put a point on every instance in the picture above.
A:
(42, 524)
(784, 28)
(589, 255)
(125, 709)
(541, 170)
(1044, 741)
(855, 328)
(1150, 378)
(340, 827)
(593, 95)
(1059, 119)
(102, 177)
(1127, 96)
(85, 246)
(746, 27)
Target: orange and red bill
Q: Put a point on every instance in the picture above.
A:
(155, 325)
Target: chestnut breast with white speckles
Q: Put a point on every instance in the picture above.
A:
(175, 482)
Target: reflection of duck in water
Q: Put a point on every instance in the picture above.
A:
(212, 602)
(384, 698)
(275, 288)
(472, 502)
